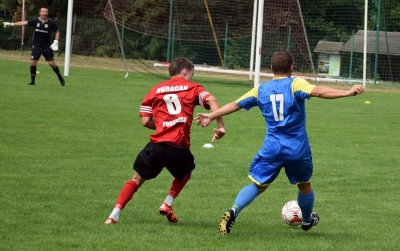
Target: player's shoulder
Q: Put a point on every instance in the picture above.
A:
(301, 84)
(277, 83)
(299, 79)
(51, 22)
(34, 20)
(195, 84)
(181, 82)
(171, 85)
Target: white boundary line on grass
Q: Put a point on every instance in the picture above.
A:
(241, 72)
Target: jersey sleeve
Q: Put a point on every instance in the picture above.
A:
(249, 99)
(32, 22)
(301, 88)
(145, 107)
(54, 27)
(202, 97)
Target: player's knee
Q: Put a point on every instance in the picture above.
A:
(304, 188)
(138, 179)
(261, 189)
(53, 65)
(188, 176)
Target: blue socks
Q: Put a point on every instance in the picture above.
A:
(306, 203)
(250, 192)
(245, 197)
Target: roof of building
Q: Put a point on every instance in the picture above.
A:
(328, 47)
(389, 43)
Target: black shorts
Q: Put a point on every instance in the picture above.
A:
(38, 51)
(154, 157)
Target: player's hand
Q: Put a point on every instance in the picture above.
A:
(7, 24)
(356, 89)
(218, 134)
(203, 119)
(54, 45)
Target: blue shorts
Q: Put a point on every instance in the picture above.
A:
(264, 171)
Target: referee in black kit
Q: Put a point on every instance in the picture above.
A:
(42, 42)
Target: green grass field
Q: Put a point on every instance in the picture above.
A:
(65, 153)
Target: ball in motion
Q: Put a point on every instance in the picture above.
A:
(291, 213)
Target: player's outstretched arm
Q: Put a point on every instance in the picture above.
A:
(220, 131)
(7, 24)
(204, 119)
(331, 93)
(10, 24)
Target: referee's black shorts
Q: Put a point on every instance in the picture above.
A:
(38, 51)
(154, 157)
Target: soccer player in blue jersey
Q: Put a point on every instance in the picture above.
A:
(282, 103)
(42, 44)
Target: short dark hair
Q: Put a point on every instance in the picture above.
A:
(281, 62)
(176, 66)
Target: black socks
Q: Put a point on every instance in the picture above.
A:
(33, 74)
(57, 71)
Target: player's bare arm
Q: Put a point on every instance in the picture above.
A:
(148, 122)
(220, 131)
(331, 93)
(16, 24)
(204, 119)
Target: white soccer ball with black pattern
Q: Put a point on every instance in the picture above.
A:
(291, 213)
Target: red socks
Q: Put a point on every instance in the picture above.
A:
(131, 187)
(177, 185)
(126, 194)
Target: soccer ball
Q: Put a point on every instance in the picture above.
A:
(291, 213)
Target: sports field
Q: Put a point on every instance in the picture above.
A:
(65, 153)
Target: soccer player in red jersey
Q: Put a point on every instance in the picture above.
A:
(168, 109)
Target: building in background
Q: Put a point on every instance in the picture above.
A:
(329, 58)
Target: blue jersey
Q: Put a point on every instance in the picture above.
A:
(282, 103)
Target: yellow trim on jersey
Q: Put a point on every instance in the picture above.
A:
(252, 93)
(261, 185)
(300, 84)
(298, 183)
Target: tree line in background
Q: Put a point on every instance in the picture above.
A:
(324, 20)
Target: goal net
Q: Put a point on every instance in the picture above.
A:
(218, 36)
